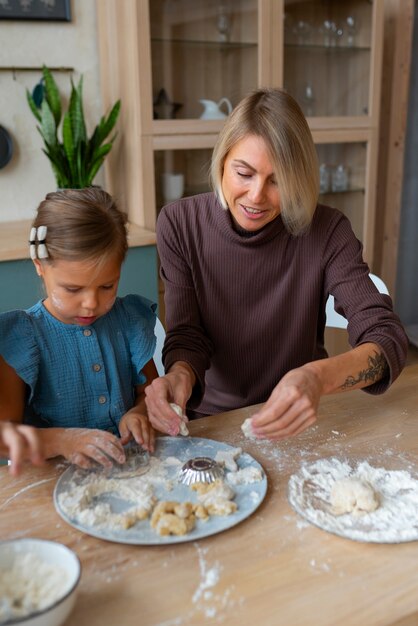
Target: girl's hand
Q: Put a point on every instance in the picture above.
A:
(19, 443)
(137, 426)
(292, 406)
(176, 387)
(86, 447)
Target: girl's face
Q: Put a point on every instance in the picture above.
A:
(249, 184)
(77, 292)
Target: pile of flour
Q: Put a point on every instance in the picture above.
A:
(395, 520)
(30, 585)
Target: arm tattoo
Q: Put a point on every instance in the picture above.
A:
(378, 369)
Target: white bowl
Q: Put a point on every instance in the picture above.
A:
(48, 561)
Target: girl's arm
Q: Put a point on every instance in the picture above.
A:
(135, 423)
(19, 443)
(82, 446)
(12, 394)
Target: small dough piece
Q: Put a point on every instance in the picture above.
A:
(173, 518)
(184, 431)
(227, 458)
(200, 512)
(247, 428)
(215, 497)
(170, 524)
(353, 495)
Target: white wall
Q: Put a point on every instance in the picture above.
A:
(28, 176)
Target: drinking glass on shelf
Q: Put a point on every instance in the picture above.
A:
(351, 30)
(302, 30)
(331, 33)
(324, 178)
(308, 100)
(339, 178)
(224, 23)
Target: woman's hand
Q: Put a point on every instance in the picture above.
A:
(84, 447)
(20, 443)
(176, 386)
(292, 406)
(137, 426)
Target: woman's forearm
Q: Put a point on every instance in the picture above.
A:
(355, 369)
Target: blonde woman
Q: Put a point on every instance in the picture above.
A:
(247, 271)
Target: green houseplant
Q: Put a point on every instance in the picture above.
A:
(76, 158)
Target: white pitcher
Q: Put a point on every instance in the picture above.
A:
(212, 110)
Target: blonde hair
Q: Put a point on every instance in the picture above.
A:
(275, 116)
(82, 225)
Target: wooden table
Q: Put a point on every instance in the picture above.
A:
(273, 568)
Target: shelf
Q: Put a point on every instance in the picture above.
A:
(330, 50)
(14, 237)
(221, 46)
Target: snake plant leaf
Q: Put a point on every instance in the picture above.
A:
(75, 110)
(52, 95)
(97, 162)
(67, 138)
(48, 126)
(106, 125)
(33, 106)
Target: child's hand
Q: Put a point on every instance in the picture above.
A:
(20, 442)
(136, 425)
(85, 447)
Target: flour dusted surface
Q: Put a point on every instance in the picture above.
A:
(394, 521)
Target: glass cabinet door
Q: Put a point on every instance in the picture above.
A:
(204, 56)
(327, 55)
(343, 181)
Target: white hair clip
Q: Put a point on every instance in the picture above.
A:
(40, 250)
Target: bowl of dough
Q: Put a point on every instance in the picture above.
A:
(38, 582)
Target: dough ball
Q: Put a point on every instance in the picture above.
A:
(183, 428)
(352, 495)
(247, 428)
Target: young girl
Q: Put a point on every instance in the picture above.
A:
(76, 363)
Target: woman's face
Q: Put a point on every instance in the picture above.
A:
(249, 184)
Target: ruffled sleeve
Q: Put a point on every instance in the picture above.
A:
(140, 332)
(18, 346)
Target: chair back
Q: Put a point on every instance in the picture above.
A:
(334, 319)
(160, 334)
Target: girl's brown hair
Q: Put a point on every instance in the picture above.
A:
(82, 225)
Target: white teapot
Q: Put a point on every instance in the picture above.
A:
(212, 110)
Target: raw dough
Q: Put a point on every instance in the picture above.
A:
(216, 497)
(245, 476)
(173, 518)
(352, 495)
(247, 429)
(183, 428)
(227, 458)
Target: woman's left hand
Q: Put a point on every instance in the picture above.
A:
(292, 406)
(137, 426)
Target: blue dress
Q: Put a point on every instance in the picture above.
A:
(80, 376)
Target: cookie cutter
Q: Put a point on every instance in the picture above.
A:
(136, 462)
(201, 469)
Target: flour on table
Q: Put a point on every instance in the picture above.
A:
(396, 491)
(184, 431)
(30, 585)
(352, 495)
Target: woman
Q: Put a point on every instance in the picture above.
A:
(247, 273)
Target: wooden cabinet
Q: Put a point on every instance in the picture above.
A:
(163, 57)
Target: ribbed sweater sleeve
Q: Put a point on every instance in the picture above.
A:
(242, 311)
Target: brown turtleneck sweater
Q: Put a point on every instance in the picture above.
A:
(242, 311)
